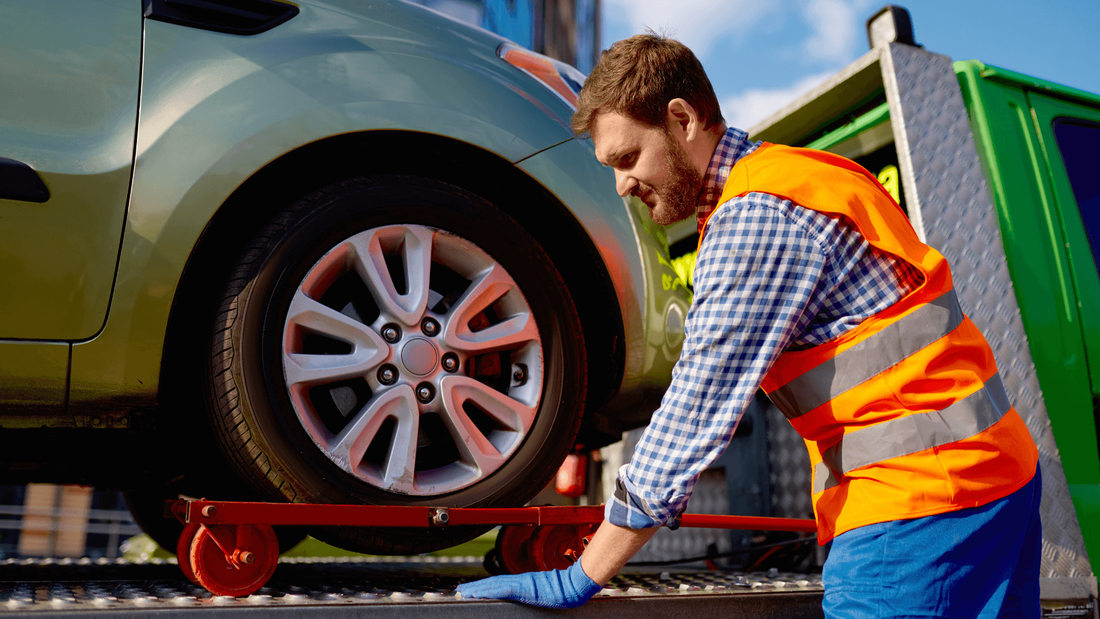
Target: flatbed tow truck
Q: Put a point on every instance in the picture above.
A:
(949, 200)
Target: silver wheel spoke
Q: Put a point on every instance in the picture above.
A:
(370, 263)
(474, 445)
(399, 467)
(493, 284)
(508, 334)
(368, 349)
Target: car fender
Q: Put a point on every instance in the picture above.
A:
(653, 298)
(325, 73)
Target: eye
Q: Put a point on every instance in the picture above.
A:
(628, 160)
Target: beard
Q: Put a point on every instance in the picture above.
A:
(678, 196)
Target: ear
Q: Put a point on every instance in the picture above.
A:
(683, 119)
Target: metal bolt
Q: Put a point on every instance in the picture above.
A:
(450, 362)
(519, 374)
(209, 511)
(430, 327)
(391, 333)
(425, 393)
(387, 375)
(247, 557)
(440, 517)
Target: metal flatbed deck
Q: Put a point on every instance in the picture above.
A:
(381, 587)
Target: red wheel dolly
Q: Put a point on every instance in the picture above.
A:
(230, 548)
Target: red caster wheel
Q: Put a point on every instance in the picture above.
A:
(234, 560)
(513, 549)
(183, 550)
(556, 547)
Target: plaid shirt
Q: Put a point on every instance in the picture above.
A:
(770, 276)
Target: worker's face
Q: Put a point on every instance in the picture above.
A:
(650, 164)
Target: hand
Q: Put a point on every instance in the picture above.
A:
(568, 588)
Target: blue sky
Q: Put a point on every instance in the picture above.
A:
(761, 54)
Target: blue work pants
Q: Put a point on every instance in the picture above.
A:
(977, 562)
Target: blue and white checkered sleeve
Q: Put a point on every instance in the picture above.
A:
(756, 283)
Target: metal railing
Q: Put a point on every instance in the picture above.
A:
(53, 523)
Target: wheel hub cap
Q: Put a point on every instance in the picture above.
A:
(419, 357)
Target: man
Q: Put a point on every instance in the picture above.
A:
(811, 283)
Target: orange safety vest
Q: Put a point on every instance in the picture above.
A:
(905, 415)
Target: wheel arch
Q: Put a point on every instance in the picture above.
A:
(315, 165)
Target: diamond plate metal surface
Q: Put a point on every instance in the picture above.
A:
(50, 587)
(790, 468)
(710, 497)
(952, 210)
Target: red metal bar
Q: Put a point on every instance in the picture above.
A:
(748, 523)
(561, 514)
(233, 512)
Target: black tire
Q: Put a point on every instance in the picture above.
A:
(253, 411)
(147, 508)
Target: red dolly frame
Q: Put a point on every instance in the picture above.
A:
(230, 547)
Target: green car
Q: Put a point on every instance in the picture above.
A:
(337, 252)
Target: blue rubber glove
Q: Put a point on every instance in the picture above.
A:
(568, 588)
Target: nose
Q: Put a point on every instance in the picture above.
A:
(624, 183)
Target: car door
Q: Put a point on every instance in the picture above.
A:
(1069, 131)
(68, 108)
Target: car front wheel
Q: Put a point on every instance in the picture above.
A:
(396, 340)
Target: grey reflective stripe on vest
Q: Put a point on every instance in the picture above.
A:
(870, 357)
(968, 417)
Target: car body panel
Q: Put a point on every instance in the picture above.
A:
(320, 75)
(71, 118)
(32, 384)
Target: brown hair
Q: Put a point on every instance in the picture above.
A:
(638, 76)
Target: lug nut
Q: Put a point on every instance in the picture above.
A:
(425, 393)
(387, 375)
(450, 362)
(391, 333)
(430, 327)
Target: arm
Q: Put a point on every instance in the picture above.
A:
(611, 547)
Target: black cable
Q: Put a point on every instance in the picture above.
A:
(722, 555)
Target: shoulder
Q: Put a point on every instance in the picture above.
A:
(768, 216)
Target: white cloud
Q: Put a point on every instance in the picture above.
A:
(833, 23)
(695, 23)
(750, 107)
(828, 41)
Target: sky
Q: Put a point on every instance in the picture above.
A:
(762, 54)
